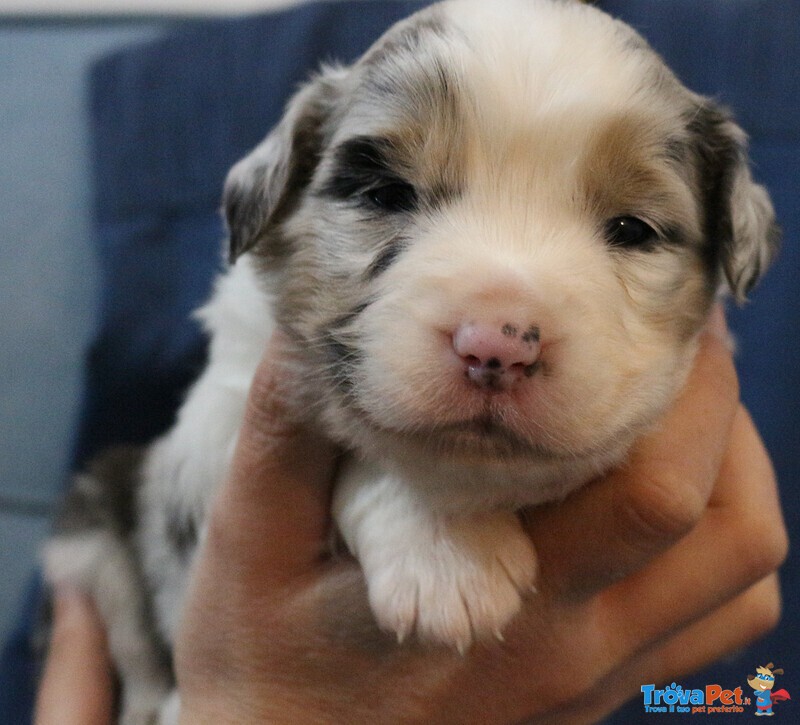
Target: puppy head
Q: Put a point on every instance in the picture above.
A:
(499, 232)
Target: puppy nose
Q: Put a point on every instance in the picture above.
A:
(497, 356)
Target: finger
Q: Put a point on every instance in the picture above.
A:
(743, 620)
(616, 524)
(740, 540)
(270, 518)
(77, 685)
(726, 630)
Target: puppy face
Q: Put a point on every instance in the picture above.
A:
(498, 234)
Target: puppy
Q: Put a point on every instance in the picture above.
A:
(493, 241)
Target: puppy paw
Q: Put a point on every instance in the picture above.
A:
(460, 581)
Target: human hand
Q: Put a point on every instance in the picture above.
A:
(650, 572)
(77, 684)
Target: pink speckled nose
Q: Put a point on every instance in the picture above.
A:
(497, 356)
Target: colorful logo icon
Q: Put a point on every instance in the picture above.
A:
(762, 684)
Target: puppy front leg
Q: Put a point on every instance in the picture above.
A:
(451, 579)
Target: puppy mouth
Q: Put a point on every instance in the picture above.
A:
(484, 436)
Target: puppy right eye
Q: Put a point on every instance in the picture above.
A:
(393, 197)
(629, 232)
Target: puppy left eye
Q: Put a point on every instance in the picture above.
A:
(394, 197)
(629, 231)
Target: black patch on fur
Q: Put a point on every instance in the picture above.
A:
(420, 89)
(343, 358)
(364, 172)
(676, 151)
(106, 496)
(360, 164)
(244, 214)
(718, 155)
(305, 155)
(182, 534)
(341, 354)
(720, 158)
(509, 330)
(348, 317)
(255, 207)
(386, 257)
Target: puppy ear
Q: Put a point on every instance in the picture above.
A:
(263, 188)
(740, 221)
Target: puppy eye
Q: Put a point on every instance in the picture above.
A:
(394, 197)
(629, 231)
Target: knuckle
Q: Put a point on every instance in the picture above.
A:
(768, 615)
(754, 519)
(775, 549)
(658, 511)
(763, 545)
(762, 609)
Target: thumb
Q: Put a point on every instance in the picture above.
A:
(270, 519)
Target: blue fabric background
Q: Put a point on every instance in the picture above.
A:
(170, 117)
